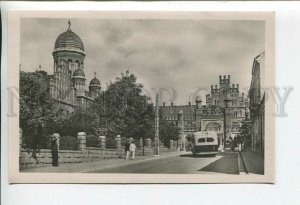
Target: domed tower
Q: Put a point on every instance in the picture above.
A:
(94, 87)
(70, 49)
(79, 82)
(68, 55)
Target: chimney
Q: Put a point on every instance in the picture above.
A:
(224, 76)
(212, 87)
(164, 104)
(216, 86)
(189, 103)
(229, 77)
(237, 86)
(220, 77)
(171, 104)
(232, 85)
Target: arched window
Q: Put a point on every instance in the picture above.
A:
(77, 64)
(212, 126)
(70, 64)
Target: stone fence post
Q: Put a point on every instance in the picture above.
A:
(118, 142)
(171, 144)
(81, 136)
(148, 142)
(20, 138)
(57, 136)
(102, 140)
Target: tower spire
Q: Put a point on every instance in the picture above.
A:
(69, 22)
(94, 74)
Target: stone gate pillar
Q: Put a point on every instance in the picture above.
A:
(81, 136)
(20, 138)
(118, 141)
(102, 140)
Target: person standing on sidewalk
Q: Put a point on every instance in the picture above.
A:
(127, 145)
(132, 150)
(55, 149)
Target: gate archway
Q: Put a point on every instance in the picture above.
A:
(213, 126)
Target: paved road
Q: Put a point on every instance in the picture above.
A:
(226, 163)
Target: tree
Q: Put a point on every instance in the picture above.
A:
(38, 112)
(123, 109)
(246, 133)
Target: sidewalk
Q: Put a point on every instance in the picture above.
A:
(253, 162)
(101, 164)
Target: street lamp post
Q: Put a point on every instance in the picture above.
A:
(226, 102)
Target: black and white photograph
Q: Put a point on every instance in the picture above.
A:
(143, 98)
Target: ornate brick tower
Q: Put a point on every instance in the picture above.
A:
(68, 56)
(79, 82)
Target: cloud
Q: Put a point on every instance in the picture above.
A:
(182, 54)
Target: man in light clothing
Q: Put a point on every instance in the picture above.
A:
(132, 149)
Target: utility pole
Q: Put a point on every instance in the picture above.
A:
(156, 148)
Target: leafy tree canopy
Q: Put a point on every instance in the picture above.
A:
(38, 113)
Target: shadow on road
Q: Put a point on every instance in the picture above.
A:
(197, 156)
(228, 164)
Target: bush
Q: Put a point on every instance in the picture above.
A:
(36, 142)
(68, 143)
(91, 141)
(110, 143)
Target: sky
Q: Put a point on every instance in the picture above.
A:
(178, 55)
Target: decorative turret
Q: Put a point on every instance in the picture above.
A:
(94, 87)
(79, 82)
(198, 102)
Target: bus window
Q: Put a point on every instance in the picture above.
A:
(201, 140)
(209, 139)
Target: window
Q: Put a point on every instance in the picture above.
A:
(201, 140)
(209, 139)
(77, 64)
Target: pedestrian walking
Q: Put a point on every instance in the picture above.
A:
(132, 149)
(55, 149)
(127, 145)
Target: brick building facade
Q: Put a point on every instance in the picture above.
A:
(224, 109)
(67, 84)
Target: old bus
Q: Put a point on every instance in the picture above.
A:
(204, 143)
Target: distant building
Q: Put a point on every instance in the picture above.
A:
(225, 108)
(67, 85)
(257, 105)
